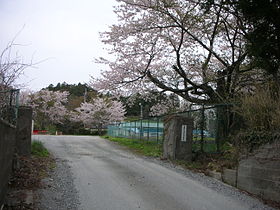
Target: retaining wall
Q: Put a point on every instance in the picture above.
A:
(259, 173)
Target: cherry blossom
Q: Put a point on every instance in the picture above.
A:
(99, 112)
(174, 46)
(48, 105)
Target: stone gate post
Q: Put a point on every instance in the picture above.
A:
(177, 142)
(23, 131)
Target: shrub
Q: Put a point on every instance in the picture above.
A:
(261, 114)
(249, 140)
(261, 110)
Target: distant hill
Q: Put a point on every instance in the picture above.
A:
(73, 89)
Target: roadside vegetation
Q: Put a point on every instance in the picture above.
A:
(200, 162)
(38, 149)
(152, 149)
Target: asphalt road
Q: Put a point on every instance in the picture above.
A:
(108, 177)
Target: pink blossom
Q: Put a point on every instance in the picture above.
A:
(172, 46)
(48, 104)
(99, 112)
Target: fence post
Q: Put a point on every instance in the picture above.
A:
(157, 130)
(202, 129)
(130, 136)
(148, 133)
(141, 128)
(135, 129)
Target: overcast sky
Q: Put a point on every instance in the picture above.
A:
(65, 31)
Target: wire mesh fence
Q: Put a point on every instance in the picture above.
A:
(9, 103)
(205, 128)
(144, 129)
(211, 127)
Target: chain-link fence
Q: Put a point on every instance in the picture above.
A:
(145, 129)
(9, 102)
(211, 127)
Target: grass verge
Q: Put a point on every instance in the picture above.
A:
(38, 149)
(152, 149)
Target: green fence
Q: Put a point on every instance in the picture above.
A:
(211, 127)
(145, 129)
(9, 102)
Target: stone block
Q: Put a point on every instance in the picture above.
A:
(215, 175)
(259, 172)
(266, 189)
(229, 176)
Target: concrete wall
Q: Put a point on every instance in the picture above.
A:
(260, 172)
(7, 148)
(23, 133)
(229, 176)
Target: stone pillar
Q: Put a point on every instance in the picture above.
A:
(7, 148)
(177, 137)
(23, 132)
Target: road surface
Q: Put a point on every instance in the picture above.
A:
(108, 177)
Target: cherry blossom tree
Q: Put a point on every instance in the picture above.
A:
(48, 106)
(100, 112)
(25, 97)
(168, 104)
(175, 46)
(161, 109)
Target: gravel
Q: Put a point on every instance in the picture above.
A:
(59, 191)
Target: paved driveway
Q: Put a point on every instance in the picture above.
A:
(108, 177)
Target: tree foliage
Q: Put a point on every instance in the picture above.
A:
(263, 35)
(151, 104)
(99, 113)
(48, 107)
(71, 113)
(78, 93)
(175, 46)
(261, 23)
(73, 89)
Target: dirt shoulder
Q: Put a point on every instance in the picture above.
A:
(25, 180)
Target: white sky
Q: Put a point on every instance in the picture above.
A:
(66, 31)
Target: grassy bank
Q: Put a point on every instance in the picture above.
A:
(201, 162)
(152, 149)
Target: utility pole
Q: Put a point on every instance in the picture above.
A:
(141, 118)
